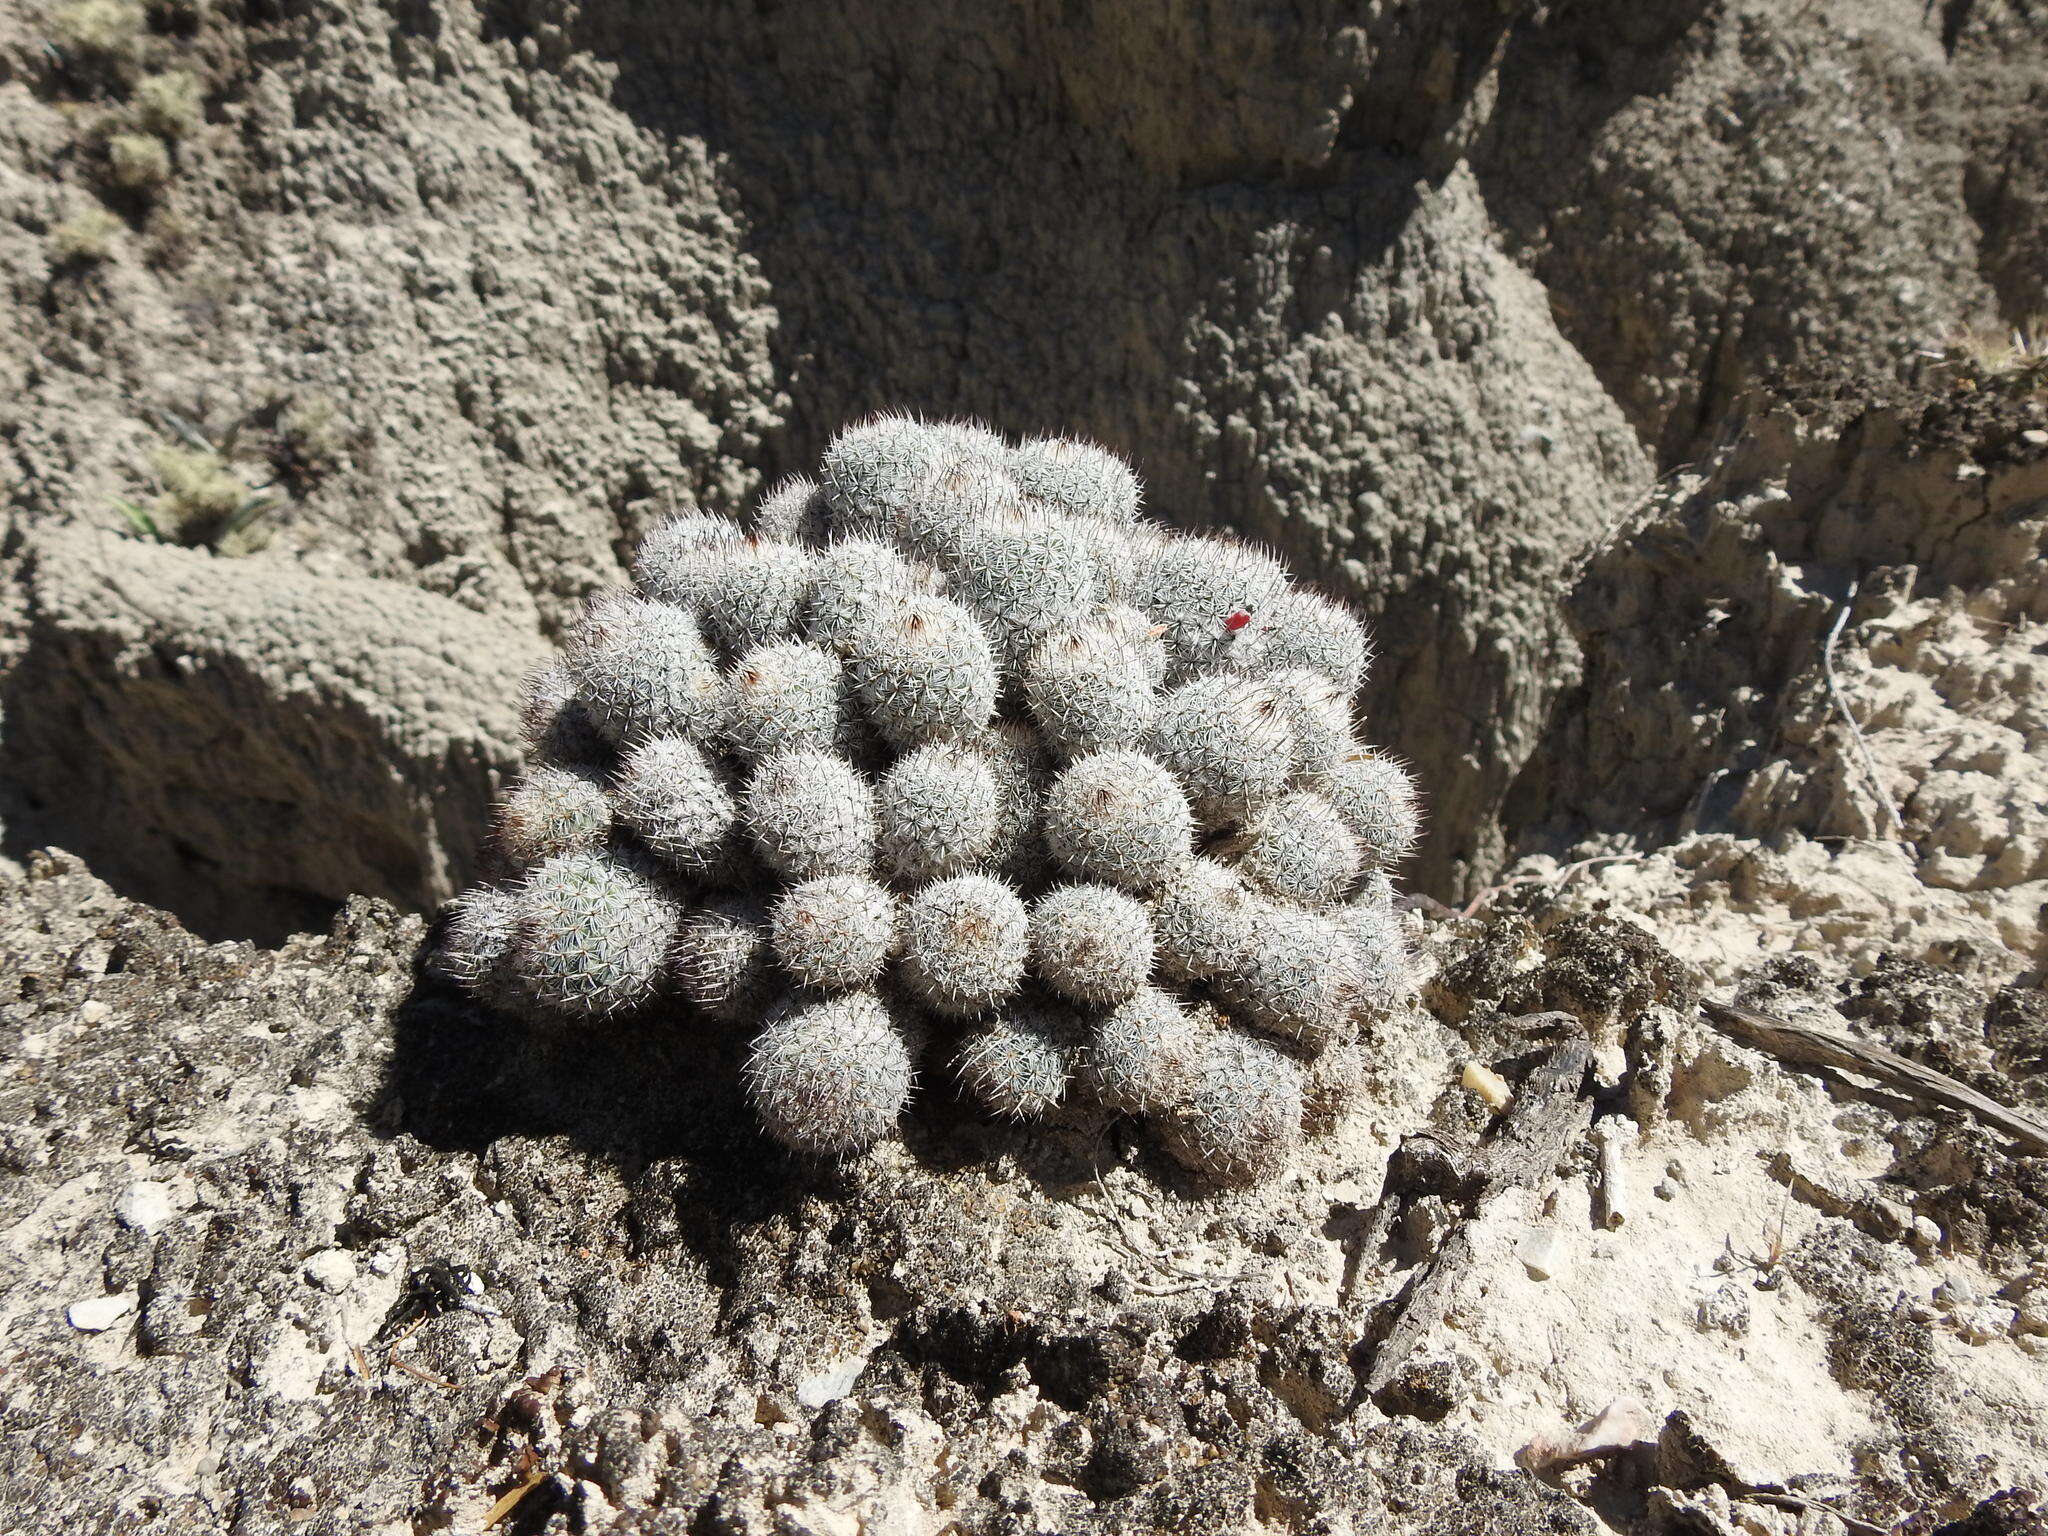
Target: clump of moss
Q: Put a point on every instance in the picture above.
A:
(202, 503)
(169, 104)
(2012, 360)
(86, 238)
(311, 440)
(108, 31)
(138, 162)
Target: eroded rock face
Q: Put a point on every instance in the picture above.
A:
(1674, 173)
(541, 270)
(1708, 722)
(248, 743)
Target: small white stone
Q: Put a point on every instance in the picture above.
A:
(145, 1206)
(1983, 1323)
(382, 1262)
(92, 1011)
(100, 1313)
(1487, 1085)
(332, 1270)
(2034, 437)
(1954, 1294)
(830, 1384)
(1541, 1251)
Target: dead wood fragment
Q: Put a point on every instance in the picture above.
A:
(1811, 1045)
(1610, 1187)
(1549, 1113)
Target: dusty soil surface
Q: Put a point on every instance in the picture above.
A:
(1645, 372)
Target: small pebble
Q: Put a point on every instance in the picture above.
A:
(332, 1270)
(1541, 1251)
(101, 1312)
(1488, 1085)
(145, 1206)
(1663, 1190)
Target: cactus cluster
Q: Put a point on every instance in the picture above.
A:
(953, 752)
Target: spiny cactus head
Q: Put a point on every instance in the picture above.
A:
(1017, 758)
(834, 933)
(784, 695)
(1026, 577)
(643, 669)
(554, 727)
(795, 512)
(1145, 1056)
(593, 936)
(1020, 1060)
(1207, 592)
(830, 1076)
(552, 811)
(938, 812)
(1386, 958)
(1077, 478)
(1230, 741)
(871, 473)
(965, 944)
(721, 961)
(756, 593)
(1377, 798)
(1304, 629)
(1299, 849)
(680, 804)
(1243, 1118)
(1298, 975)
(475, 951)
(1118, 817)
(811, 814)
(1091, 943)
(850, 579)
(969, 492)
(1320, 712)
(1201, 921)
(924, 671)
(678, 553)
(964, 437)
(1092, 688)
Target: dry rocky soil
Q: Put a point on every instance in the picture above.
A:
(1657, 376)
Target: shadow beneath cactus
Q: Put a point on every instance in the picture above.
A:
(661, 1098)
(658, 1097)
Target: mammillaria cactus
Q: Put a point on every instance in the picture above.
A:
(953, 749)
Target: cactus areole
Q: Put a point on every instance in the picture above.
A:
(955, 756)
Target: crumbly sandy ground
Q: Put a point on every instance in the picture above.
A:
(295, 1239)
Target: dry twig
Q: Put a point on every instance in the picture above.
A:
(1555, 877)
(1827, 666)
(1810, 1045)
